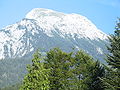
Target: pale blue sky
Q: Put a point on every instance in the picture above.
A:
(103, 13)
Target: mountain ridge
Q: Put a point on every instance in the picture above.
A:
(17, 40)
(41, 15)
(67, 31)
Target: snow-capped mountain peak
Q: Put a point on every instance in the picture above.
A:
(44, 28)
(38, 13)
(66, 23)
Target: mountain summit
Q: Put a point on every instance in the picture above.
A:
(44, 28)
(65, 23)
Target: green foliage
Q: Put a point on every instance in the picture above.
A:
(71, 71)
(83, 64)
(63, 71)
(88, 72)
(97, 71)
(112, 78)
(113, 58)
(37, 77)
(60, 63)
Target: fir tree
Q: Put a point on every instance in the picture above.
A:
(83, 63)
(113, 59)
(88, 72)
(60, 64)
(112, 79)
(37, 77)
(63, 71)
(97, 72)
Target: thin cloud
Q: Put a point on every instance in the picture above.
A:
(113, 3)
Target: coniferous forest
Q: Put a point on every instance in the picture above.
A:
(59, 70)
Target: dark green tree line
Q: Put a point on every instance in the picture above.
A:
(63, 71)
(112, 77)
(88, 72)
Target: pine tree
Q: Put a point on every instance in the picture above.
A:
(37, 77)
(88, 72)
(97, 72)
(113, 59)
(60, 64)
(83, 62)
(112, 79)
(63, 71)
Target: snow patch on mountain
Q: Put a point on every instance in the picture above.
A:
(66, 23)
(21, 38)
(99, 50)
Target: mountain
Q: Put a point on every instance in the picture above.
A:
(45, 29)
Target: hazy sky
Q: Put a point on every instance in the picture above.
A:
(103, 13)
